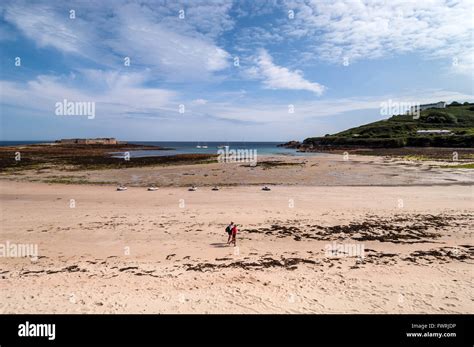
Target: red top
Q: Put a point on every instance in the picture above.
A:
(234, 230)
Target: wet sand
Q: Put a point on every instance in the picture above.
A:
(312, 170)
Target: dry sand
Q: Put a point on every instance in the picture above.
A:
(164, 252)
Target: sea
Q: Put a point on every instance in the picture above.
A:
(178, 147)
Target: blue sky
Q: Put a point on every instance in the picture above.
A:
(334, 62)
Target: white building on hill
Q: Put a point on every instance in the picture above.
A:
(416, 108)
(433, 131)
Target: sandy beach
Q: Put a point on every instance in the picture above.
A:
(406, 248)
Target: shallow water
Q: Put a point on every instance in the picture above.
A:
(262, 148)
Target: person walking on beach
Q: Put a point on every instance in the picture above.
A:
(234, 234)
(228, 230)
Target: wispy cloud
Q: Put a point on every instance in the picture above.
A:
(178, 56)
(178, 49)
(48, 26)
(279, 77)
(359, 30)
(121, 94)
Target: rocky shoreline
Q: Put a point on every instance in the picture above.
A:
(73, 157)
(432, 153)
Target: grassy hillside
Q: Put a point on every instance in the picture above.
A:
(401, 130)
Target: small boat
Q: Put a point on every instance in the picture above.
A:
(152, 189)
(121, 188)
(204, 146)
(198, 146)
(266, 189)
(221, 146)
(192, 189)
(215, 188)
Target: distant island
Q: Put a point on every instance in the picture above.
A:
(437, 126)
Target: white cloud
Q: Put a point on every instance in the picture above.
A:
(199, 101)
(124, 103)
(150, 34)
(178, 56)
(209, 17)
(278, 77)
(265, 111)
(370, 29)
(123, 94)
(42, 24)
(249, 38)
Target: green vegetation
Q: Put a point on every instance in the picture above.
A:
(460, 166)
(417, 157)
(401, 131)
